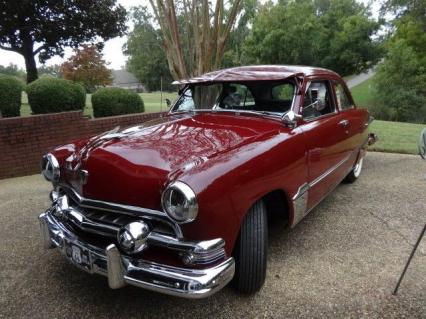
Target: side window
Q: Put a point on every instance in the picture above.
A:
(236, 96)
(343, 100)
(317, 100)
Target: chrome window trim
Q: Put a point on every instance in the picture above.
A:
(215, 110)
(349, 96)
(309, 120)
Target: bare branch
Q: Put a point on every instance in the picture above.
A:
(13, 49)
(207, 32)
(37, 51)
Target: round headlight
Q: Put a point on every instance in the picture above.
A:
(179, 202)
(50, 168)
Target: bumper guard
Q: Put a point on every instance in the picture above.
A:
(122, 270)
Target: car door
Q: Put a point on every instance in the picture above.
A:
(356, 120)
(326, 137)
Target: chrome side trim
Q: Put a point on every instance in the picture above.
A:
(300, 203)
(121, 269)
(300, 200)
(329, 171)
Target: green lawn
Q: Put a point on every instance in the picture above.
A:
(363, 94)
(152, 102)
(396, 137)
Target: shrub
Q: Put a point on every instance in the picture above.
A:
(50, 95)
(10, 95)
(116, 101)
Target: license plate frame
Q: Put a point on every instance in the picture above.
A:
(78, 255)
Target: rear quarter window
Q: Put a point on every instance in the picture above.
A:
(343, 100)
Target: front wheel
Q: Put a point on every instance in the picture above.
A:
(355, 173)
(251, 250)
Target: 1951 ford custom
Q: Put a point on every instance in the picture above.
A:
(180, 204)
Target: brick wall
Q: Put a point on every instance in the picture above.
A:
(23, 140)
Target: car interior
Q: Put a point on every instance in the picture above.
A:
(317, 100)
(266, 96)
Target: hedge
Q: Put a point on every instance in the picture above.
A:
(10, 95)
(51, 95)
(116, 101)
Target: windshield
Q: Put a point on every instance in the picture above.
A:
(269, 97)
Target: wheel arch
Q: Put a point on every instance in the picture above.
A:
(278, 204)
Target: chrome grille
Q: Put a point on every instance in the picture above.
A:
(116, 219)
(87, 217)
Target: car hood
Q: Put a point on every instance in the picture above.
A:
(134, 165)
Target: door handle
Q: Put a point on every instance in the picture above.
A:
(344, 123)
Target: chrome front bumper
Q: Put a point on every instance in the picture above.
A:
(122, 270)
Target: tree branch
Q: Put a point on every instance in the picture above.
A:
(12, 49)
(37, 51)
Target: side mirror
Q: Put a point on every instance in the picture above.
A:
(291, 118)
(169, 103)
(422, 144)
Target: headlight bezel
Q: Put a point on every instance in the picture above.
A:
(190, 206)
(50, 168)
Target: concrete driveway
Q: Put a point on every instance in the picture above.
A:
(342, 260)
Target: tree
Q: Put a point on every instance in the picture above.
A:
(400, 80)
(45, 27)
(86, 66)
(194, 34)
(147, 59)
(49, 70)
(12, 69)
(336, 34)
(400, 84)
(234, 47)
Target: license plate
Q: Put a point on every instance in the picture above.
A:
(78, 255)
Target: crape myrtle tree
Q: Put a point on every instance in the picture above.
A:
(46, 27)
(195, 33)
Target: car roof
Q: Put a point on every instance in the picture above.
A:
(257, 73)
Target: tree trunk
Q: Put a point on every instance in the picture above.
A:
(29, 56)
(207, 34)
(31, 67)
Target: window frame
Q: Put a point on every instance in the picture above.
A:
(347, 92)
(333, 99)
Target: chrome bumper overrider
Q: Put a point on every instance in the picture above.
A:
(121, 269)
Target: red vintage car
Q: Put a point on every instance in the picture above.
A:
(180, 204)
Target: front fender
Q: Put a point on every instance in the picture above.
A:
(228, 185)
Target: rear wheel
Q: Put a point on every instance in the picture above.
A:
(251, 250)
(355, 173)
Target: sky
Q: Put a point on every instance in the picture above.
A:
(113, 48)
